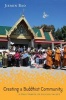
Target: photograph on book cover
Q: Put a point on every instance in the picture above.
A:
(32, 49)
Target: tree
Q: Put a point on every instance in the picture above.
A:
(58, 34)
(64, 32)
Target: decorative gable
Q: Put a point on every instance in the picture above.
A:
(21, 28)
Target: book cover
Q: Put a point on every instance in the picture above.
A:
(25, 82)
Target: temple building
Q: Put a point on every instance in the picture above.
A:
(22, 34)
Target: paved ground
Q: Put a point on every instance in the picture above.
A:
(24, 75)
(30, 69)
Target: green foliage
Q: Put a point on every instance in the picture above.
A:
(60, 34)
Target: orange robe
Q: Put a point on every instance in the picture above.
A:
(64, 57)
(49, 61)
(57, 57)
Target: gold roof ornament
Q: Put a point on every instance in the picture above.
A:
(6, 32)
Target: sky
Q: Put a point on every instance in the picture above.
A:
(33, 10)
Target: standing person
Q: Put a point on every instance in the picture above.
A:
(5, 59)
(14, 48)
(21, 49)
(32, 60)
(44, 58)
(24, 48)
(25, 58)
(49, 61)
(64, 56)
(17, 58)
(13, 60)
(57, 57)
(21, 58)
(0, 59)
(29, 49)
(9, 60)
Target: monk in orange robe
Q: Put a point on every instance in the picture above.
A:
(57, 57)
(49, 61)
(64, 56)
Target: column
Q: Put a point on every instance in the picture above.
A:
(32, 43)
(8, 42)
(61, 45)
(52, 46)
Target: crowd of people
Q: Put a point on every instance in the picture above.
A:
(34, 57)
